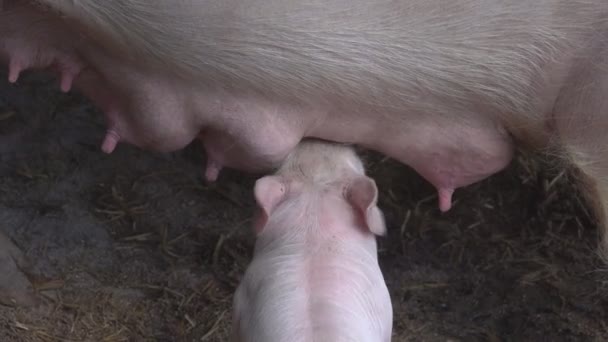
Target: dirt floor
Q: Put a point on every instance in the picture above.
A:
(136, 247)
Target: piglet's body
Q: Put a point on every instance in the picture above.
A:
(315, 273)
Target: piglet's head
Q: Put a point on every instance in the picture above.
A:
(360, 192)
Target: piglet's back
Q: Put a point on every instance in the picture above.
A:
(315, 274)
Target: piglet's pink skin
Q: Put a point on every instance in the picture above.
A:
(315, 273)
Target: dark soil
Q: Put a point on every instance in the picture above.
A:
(135, 246)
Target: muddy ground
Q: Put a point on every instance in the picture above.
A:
(134, 246)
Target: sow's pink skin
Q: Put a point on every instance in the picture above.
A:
(440, 86)
(314, 274)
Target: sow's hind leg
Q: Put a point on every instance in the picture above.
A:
(581, 123)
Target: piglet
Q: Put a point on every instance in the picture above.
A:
(315, 274)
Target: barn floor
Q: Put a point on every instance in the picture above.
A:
(136, 247)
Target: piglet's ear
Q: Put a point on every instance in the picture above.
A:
(362, 194)
(269, 191)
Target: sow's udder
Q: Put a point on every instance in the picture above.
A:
(252, 135)
(141, 107)
(144, 106)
